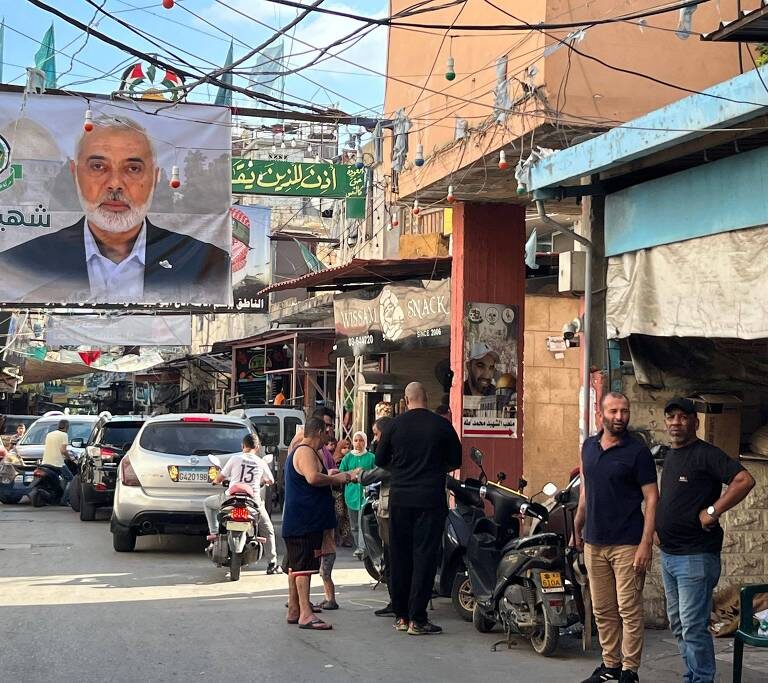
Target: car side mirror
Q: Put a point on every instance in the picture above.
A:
(77, 443)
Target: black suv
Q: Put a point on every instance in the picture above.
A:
(94, 486)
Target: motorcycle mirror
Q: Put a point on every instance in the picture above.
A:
(214, 460)
(549, 489)
(477, 456)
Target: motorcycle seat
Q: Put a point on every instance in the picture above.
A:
(241, 488)
(534, 540)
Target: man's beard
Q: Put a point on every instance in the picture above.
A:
(615, 428)
(114, 221)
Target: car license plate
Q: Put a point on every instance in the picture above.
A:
(193, 474)
(551, 582)
(238, 526)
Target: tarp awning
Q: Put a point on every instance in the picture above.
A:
(368, 271)
(705, 287)
(36, 371)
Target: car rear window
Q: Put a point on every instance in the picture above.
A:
(193, 438)
(290, 425)
(268, 429)
(120, 434)
(35, 436)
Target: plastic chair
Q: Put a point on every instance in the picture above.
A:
(746, 633)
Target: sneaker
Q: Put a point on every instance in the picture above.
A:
(273, 568)
(401, 625)
(603, 673)
(385, 611)
(628, 676)
(425, 629)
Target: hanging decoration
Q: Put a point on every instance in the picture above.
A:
(503, 164)
(416, 209)
(359, 158)
(175, 181)
(419, 160)
(450, 70)
(168, 4)
(450, 198)
(88, 123)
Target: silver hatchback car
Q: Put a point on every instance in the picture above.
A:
(166, 474)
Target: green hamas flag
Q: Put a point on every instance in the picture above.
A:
(224, 96)
(45, 58)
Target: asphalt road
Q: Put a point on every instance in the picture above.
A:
(74, 610)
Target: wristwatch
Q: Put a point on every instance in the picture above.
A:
(712, 512)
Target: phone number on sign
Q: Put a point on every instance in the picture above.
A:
(362, 340)
(434, 332)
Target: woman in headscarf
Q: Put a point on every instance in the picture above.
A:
(358, 457)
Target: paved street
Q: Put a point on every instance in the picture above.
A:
(74, 610)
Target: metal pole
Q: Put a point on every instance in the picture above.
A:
(295, 365)
(587, 331)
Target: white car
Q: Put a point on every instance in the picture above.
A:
(166, 475)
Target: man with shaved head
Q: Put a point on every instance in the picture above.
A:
(418, 448)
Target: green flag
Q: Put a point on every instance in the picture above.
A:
(224, 96)
(45, 58)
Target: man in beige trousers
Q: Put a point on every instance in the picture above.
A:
(618, 475)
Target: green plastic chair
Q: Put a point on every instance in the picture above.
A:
(746, 633)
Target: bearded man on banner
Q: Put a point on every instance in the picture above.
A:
(114, 254)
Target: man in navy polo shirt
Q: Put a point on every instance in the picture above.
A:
(617, 475)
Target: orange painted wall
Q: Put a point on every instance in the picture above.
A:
(578, 86)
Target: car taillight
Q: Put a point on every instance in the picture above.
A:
(108, 453)
(240, 514)
(197, 419)
(38, 473)
(127, 474)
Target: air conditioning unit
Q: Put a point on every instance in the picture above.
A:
(571, 271)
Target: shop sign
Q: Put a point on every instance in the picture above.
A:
(399, 316)
(296, 179)
(490, 370)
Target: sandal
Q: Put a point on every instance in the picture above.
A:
(292, 621)
(329, 605)
(316, 625)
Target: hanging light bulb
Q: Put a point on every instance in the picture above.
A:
(419, 160)
(503, 164)
(359, 159)
(450, 198)
(395, 213)
(168, 4)
(317, 158)
(175, 181)
(309, 148)
(293, 143)
(282, 145)
(416, 208)
(274, 149)
(450, 69)
(88, 123)
(521, 189)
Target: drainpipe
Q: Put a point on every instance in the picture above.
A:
(585, 338)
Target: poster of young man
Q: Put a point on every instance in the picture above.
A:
(490, 370)
(89, 213)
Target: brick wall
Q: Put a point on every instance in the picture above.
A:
(551, 394)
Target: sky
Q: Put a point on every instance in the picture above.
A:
(92, 66)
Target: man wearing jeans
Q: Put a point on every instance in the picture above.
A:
(689, 532)
(618, 475)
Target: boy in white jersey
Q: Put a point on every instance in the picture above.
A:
(246, 468)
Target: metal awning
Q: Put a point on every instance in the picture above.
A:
(359, 272)
(750, 27)
(277, 336)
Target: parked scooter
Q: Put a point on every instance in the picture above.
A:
(236, 544)
(520, 582)
(373, 550)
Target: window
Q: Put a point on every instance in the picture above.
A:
(119, 434)
(268, 429)
(290, 425)
(191, 438)
(36, 435)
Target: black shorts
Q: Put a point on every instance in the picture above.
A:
(302, 553)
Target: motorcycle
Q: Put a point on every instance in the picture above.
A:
(236, 544)
(373, 550)
(47, 487)
(523, 583)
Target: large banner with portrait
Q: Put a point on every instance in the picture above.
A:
(490, 370)
(128, 205)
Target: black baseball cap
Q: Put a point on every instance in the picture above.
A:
(684, 404)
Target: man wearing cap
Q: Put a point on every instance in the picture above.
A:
(481, 370)
(689, 532)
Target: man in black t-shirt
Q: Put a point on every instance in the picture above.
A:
(418, 448)
(689, 533)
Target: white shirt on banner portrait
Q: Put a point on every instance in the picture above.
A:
(108, 278)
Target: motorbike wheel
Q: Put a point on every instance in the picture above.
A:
(37, 498)
(480, 621)
(74, 493)
(462, 597)
(372, 569)
(234, 567)
(544, 641)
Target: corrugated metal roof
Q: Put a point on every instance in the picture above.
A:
(750, 27)
(373, 271)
